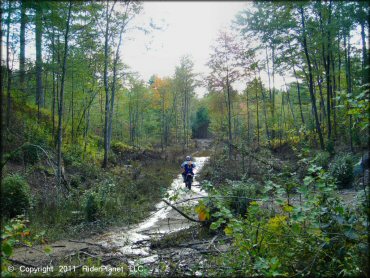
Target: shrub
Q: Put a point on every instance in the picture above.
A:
(30, 154)
(91, 208)
(120, 148)
(342, 170)
(330, 147)
(72, 156)
(75, 181)
(15, 195)
(239, 193)
(322, 159)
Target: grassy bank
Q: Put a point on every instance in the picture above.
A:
(90, 199)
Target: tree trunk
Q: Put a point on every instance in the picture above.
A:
(334, 96)
(290, 106)
(248, 120)
(1, 100)
(8, 70)
(22, 46)
(264, 107)
(328, 77)
(114, 81)
(106, 86)
(268, 74)
(349, 84)
(313, 99)
(273, 93)
(39, 91)
(72, 107)
(365, 75)
(87, 128)
(184, 121)
(229, 112)
(60, 111)
(257, 118)
(299, 96)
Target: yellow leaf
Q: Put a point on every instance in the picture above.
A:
(288, 208)
(228, 231)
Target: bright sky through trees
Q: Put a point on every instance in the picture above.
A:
(190, 28)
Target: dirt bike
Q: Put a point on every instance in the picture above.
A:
(188, 180)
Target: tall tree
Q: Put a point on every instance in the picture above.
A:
(108, 15)
(185, 84)
(22, 45)
(61, 97)
(8, 68)
(115, 26)
(313, 99)
(38, 33)
(225, 70)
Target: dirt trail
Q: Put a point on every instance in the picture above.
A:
(136, 240)
(131, 243)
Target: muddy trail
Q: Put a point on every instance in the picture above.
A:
(132, 246)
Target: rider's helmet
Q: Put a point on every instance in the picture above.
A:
(188, 158)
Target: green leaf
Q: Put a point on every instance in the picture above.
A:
(351, 234)
(6, 248)
(48, 249)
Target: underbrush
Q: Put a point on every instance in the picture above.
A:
(90, 199)
(287, 223)
(101, 200)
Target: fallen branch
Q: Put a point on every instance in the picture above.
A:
(88, 243)
(30, 247)
(182, 213)
(88, 254)
(210, 197)
(213, 239)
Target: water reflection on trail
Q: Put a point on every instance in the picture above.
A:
(135, 240)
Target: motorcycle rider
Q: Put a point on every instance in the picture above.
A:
(188, 165)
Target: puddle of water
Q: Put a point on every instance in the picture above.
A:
(159, 222)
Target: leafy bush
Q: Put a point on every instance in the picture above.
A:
(91, 207)
(330, 147)
(75, 181)
(30, 154)
(120, 148)
(73, 155)
(239, 193)
(15, 195)
(342, 170)
(322, 236)
(322, 159)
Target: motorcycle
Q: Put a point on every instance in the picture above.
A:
(188, 180)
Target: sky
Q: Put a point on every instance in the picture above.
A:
(190, 28)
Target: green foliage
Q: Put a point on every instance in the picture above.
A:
(342, 170)
(72, 155)
(330, 147)
(239, 193)
(319, 235)
(91, 207)
(121, 148)
(16, 232)
(15, 195)
(201, 123)
(322, 159)
(30, 154)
